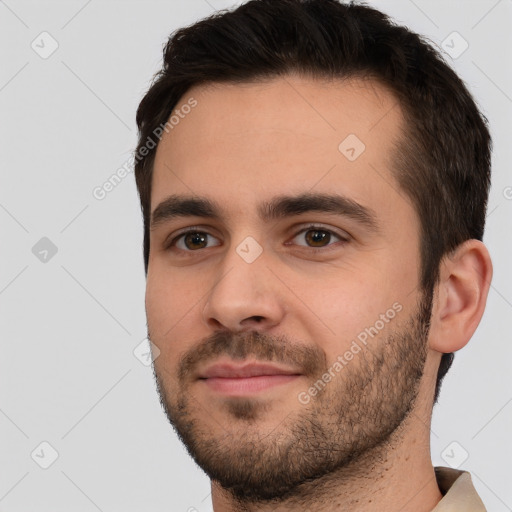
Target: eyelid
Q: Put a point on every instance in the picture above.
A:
(342, 235)
(171, 240)
(297, 230)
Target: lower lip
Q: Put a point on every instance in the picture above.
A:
(247, 385)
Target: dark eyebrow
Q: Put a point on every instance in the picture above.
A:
(176, 206)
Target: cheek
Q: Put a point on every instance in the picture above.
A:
(168, 302)
(159, 304)
(353, 306)
(168, 310)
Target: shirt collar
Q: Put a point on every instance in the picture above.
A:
(459, 493)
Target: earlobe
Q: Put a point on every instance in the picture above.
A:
(465, 278)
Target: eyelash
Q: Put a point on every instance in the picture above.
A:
(311, 227)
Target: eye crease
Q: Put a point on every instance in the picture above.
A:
(320, 235)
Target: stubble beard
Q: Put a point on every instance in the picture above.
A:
(346, 426)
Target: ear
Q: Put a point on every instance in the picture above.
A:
(460, 296)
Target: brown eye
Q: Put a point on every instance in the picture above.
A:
(195, 240)
(317, 237)
(192, 240)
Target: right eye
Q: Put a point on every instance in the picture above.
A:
(191, 240)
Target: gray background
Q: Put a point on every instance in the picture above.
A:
(71, 321)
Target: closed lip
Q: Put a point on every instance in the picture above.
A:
(247, 370)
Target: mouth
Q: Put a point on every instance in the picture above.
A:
(245, 379)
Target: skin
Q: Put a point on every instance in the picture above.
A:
(247, 143)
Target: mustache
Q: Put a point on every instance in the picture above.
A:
(309, 360)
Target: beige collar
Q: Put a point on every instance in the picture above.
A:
(459, 494)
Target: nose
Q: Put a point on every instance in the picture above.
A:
(245, 296)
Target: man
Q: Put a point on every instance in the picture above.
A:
(313, 213)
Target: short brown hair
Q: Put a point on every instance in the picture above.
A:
(443, 160)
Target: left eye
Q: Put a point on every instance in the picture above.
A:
(317, 237)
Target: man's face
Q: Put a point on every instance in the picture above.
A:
(322, 295)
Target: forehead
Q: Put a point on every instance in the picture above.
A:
(286, 134)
